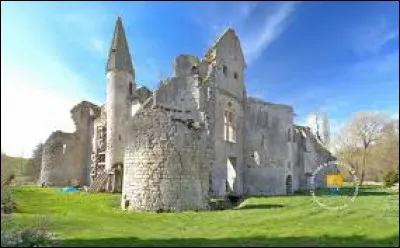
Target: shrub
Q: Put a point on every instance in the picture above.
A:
(7, 202)
(390, 178)
(35, 236)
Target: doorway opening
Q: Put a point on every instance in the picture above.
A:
(231, 175)
(289, 190)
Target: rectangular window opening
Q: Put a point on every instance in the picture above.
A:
(229, 127)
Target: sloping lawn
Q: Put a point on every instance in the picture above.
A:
(82, 219)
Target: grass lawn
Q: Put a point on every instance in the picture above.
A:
(82, 219)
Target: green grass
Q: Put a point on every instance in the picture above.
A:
(16, 164)
(83, 219)
(18, 167)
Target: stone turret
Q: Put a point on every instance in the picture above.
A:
(324, 129)
(312, 122)
(120, 90)
(119, 57)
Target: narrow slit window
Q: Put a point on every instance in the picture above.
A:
(64, 148)
(130, 88)
(262, 140)
(225, 70)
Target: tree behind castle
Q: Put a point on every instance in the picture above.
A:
(33, 165)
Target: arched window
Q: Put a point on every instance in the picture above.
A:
(225, 70)
(235, 75)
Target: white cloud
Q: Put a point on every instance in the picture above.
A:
(371, 39)
(36, 101)
(272, 27)
(255, 34)
(39, 88)
(30, 114)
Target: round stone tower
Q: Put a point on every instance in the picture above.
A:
(166, 167)
(120, 89)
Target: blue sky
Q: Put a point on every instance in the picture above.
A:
(339, 57)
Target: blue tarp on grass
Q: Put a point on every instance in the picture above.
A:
(68, 189)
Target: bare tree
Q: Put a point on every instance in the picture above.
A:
(358, 137)
(385, 152)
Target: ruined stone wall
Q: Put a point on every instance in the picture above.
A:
(207, 100)
(225, 150)
(100, 121)
(59, 163)
(143, 93)
(319, 156)
(66, 156)
(295, 163)
(165, 166)
(226, 75)
(99, 142)
(181, 91)
(266, 151)
(177, 93)
(313, 155)
(83, 115)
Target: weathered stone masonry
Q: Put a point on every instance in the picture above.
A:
(66, 156)
(197, 135)
(167, 168)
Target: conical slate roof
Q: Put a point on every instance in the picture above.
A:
(119, 57)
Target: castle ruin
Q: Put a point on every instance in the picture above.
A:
(197, 135)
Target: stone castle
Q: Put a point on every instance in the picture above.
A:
(198, 135)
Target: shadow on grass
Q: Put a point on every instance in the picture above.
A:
(257, 241)
(362, 191)
(260, 206)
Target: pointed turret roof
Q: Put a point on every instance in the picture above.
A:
(119, 56)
